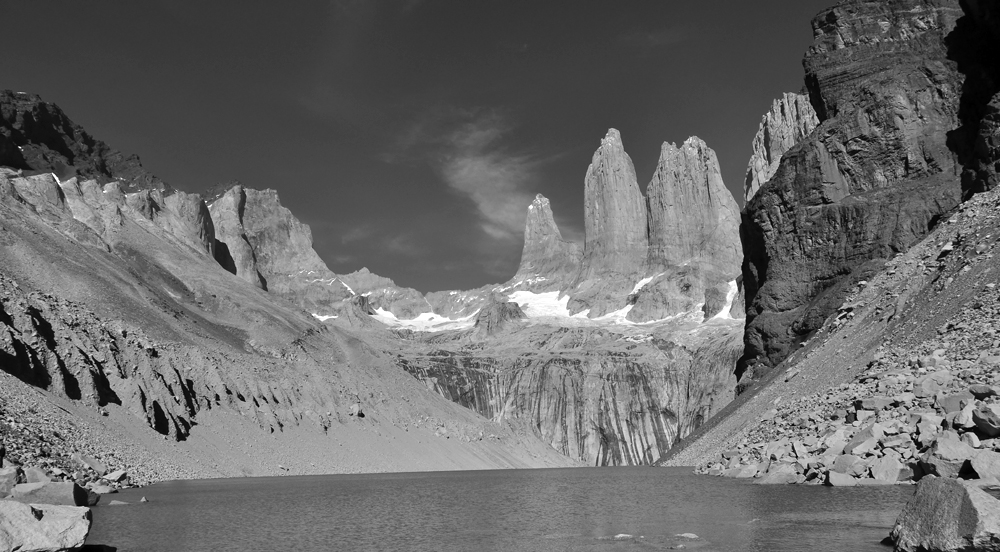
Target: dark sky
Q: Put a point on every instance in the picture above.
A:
(410, 135)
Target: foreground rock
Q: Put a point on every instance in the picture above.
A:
(58, 493)
(947, 515)
(42, 527)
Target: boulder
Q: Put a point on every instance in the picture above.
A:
(987, 419)
(35, 474)
(42, 527)
(887, 468)
(89, 462)
(115, 476)
(837, 479)
(986, 464)
(781, 474)
(955, 402)
(947, 458)
(981, 391)
(8, 478)
(948, 515)
(58, 493)
(873, 403)
(864, 437)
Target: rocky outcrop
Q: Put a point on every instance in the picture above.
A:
(868, 182)
(616, 231)
(37, 136)
(694, 251)
(42, 527)
(790, 120)
(496, 314)
(232, 250)
(546, 254)
(947, 516)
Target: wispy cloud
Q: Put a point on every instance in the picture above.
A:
(466, 147)
(494, 179)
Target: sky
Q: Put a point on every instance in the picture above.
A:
(410, 135)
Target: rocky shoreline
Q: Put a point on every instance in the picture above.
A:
(930, 411)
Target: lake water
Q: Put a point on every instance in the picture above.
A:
(581, 509)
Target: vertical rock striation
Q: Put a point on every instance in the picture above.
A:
(869, 181)
(692, 216)
(790, 119)
(694, 250)
(616, 231)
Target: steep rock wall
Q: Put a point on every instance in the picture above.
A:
(790, 119)
(869, 181)
(592, 395)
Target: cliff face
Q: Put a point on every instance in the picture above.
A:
(975, 45)
(790, 119)
(37, 136)
(616, 231)
(232, 250)
(546, 254)
(600, 397)
(868, 182)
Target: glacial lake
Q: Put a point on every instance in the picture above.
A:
(581, 509)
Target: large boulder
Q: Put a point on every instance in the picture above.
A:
(58, 493)
(9, 477)
(948, 515)
(42, 527)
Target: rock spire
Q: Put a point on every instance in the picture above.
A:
(790, 119)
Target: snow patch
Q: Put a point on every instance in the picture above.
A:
(323, 317)
(536, 305)
(730, 296)
(642, 283)
(425, 321)
(343, 283)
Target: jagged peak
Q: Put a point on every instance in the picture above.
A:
(612, 139)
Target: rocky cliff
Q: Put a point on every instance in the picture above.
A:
(37, 136)
(869, 181)
(694, 253)
(545, 253)
(790, 119)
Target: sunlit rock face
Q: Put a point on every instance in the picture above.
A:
(869, 181)
(546, 255)
(616, 231)
(790, 119)
(232, 250)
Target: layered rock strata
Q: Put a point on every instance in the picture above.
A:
(868, 182)
(790, 119)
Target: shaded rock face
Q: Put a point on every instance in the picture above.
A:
(37, 136)
(868, 182)
(625, 405)
(790, 119)
(546, 254)
(975, 45)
